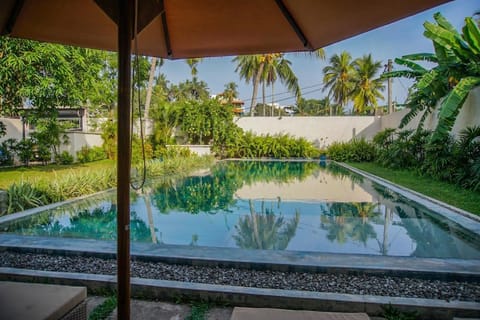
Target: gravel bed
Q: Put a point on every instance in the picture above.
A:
(319, 282)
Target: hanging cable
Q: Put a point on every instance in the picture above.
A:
(136, 80)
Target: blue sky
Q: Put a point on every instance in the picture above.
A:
(388, 42)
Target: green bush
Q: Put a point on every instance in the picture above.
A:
(22, 196)
(172, 152)
(446, 159)
(356, 150)
(65, 158)
(249, 145)
(87, 154)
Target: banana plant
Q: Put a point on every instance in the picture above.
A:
(447, 85)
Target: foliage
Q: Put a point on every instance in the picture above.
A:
(89, 154)
(454, 161)
(356, 150)
(447, 85)
(109, 137)
(24, 150)
(366, 87)
(103, 310)
(3, 129)
(7, 152)
(338, 78)
(206, 122)
(198, 312)
(65, 158)
(45, 76)
(248, 145)
(48, 136)
(22, 196)
(166, 117)
(431, 187)
(172, 152)
(314, 107)
(391, 313)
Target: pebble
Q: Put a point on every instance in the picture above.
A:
(318, 282)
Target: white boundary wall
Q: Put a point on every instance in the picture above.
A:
(469, 116)
(322, 131)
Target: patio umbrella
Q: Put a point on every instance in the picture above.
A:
(184, 29)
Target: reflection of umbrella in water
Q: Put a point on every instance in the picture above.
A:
(189, 28)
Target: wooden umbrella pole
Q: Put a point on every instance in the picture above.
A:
(125, 32)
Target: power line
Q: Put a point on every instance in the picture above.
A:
(286, 92)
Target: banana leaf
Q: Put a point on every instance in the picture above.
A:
(451, 106)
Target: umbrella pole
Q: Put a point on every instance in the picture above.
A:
(125, 31)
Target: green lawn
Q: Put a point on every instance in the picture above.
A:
(446, 192)
(9, 176)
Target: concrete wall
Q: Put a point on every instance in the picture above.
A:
(14, 128)
(322, 131)
(469, 116)
(79, 139)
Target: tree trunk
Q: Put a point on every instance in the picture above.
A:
(255, 87)
(263, 94)
(151, 77)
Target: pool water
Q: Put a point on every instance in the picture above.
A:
(299, 206)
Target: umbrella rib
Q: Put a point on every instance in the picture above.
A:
(294, 24)
(166, 34)
(12, 19)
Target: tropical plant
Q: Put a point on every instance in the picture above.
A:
(22, 196)
(313, 107)
(231, 92)
(366, 87)
(89, 154)
(109, 137)
(356, 150)
(338, 79)
(447, 85)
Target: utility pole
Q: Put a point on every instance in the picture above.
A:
(389, 87)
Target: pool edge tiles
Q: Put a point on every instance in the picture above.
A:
(286, 261)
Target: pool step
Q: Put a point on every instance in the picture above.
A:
(240, 313)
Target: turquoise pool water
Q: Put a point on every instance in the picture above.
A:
(299, 206)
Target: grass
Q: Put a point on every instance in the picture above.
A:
(10, 175)
(199, 311)
(454, 195)
(103, 310)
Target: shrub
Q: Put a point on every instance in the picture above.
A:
(166, 152)
(87, 154)
(23, 195)
(356, 150)
(65, 158)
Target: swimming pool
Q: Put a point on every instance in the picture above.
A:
(270, 205)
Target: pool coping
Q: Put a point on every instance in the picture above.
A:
(253, 297)
(285, 261)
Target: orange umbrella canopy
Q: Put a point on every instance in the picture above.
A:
(199, 28)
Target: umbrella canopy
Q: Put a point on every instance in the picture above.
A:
(189, 28)
(199, 28)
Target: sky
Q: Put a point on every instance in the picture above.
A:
(388, 42)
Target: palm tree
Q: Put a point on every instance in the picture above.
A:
(250, 68)
(367, 87)
(230, 92)
(193, 63)
(338, 78)
(278, 67)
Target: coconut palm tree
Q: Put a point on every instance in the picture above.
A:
(367, 86)
(193, 63)
(230, 92)
(338, 78)
(278, 67)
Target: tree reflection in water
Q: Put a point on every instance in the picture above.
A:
(265, 229)
(350, 220)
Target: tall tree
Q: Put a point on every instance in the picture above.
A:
(193, 63)
(338, 78)
(367, 86)
(250, 68)
(230, 92)
(45, 76)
